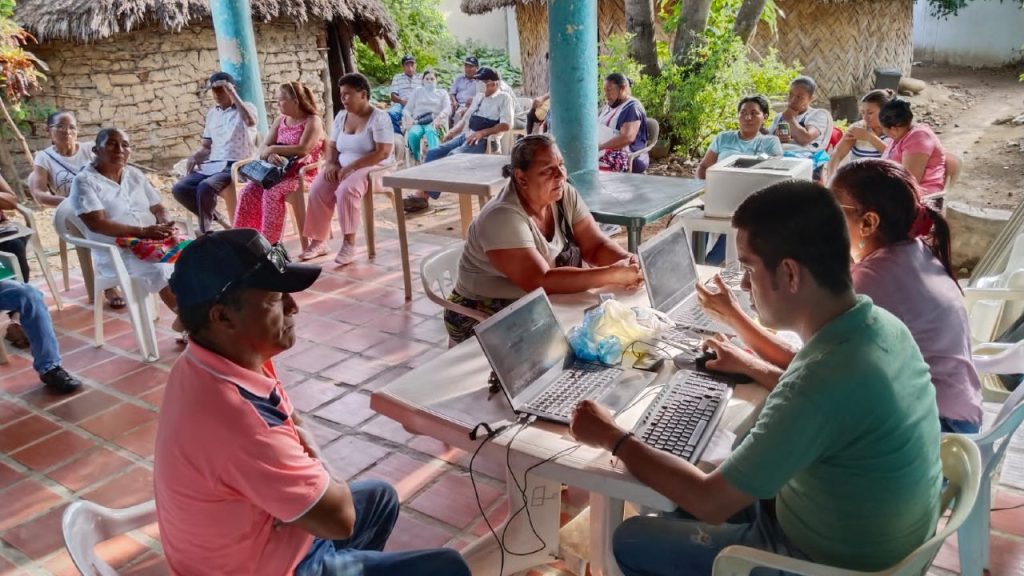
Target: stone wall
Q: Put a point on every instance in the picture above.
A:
(149, 83)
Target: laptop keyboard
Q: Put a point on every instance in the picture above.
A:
(691, 315)
(574, 385)
(683, 417)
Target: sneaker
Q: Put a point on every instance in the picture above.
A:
(313, 252)
(346, 255)
(414, 204)
(60, 381)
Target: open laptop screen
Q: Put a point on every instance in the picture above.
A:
(668, 268)
(523, 342)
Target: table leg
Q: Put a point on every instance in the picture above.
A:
(544, 507)
(403, 241)
(465, 212)
(605, 517)
(633, 232)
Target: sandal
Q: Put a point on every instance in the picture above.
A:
(414, 204)
(116, 301)
(16, 336)
(313, 252)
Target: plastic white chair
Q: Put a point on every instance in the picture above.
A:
(35, 247)
(653, 132)
(992, 444)
(86, 524)
(439, 272)
(297, 199)
(990, 311)
(140, 308)
(961, 465)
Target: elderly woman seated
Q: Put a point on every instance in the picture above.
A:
(748, 140)
(428, 109)
(622, 128)
(536, 233)
(115, 200)
(800, 128)
(900, 251)
(914, 145)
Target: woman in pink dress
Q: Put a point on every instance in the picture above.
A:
(297, 133)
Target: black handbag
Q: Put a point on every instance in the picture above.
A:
(570, 254)
(264, 173)
(425, 118)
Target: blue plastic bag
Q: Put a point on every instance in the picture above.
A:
(587, 346)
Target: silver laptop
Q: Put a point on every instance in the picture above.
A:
(670, 276)
(537, 370)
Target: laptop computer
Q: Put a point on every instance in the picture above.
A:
(537, 369)
(670, 276)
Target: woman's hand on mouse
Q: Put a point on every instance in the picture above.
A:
(721, 305)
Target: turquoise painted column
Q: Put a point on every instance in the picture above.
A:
(236, 47)
(572, 37)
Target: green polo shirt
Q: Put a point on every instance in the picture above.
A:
(848, 444)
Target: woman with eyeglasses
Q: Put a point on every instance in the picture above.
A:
(55, 167)
(900, 252)
(297, 134)
(115, 201)
(751, 139)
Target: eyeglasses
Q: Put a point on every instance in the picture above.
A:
(277, 256)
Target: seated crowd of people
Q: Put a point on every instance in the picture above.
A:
(860, 270)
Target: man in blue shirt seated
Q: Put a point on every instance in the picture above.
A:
(842, 466)
(464, 88)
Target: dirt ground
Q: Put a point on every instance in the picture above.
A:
(969, 110)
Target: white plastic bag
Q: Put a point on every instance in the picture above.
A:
(629, 324)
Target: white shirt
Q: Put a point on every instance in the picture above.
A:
(404, 85)
(498, 106)
(62, 169)
(125, 203)
(425, 100)
(352, 147)
(231, 140)
(812, 117)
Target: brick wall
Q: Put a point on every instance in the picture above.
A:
(147, 82)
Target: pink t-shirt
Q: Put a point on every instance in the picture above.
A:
(921, 140)
(907, 280)
(228, 464)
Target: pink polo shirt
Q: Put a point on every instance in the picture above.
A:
(921, 140)
(228, 464)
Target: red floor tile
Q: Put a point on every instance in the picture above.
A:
(141, 441)
(79, 360)
(128, 489)
(388, 429)
(9, 412)
(24, 432)
(439, 449)
(9, 476)
(321, 330)
(20, 381)
(70, 342)
(1006, 556)
(349, 410)
(398, 323)
(359, 339)
(314, 393)
(24, 500)
(116, 367)
(350, 456)
(141, 381)
(389, 297)
(154, 397)
(396, 350)
(43, 397)
(451, 500)
(495, 516)
(411, 534)
(91, 468)
(112, 327)
(39, 537)
(316, 358)
(358, 313)
(407, 475)
(328, 283)
(53, 450)
(117, 421)
(7, 568)
(85, 405)
(1010, 520)
(323, 434)
(149, 564)
(354, 371)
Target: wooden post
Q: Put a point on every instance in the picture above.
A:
(335, 64)
(347, 50)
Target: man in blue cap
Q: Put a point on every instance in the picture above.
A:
(402, 86)
(240, 485)
(464, 88)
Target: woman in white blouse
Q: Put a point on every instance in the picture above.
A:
(362, 138)
(115, 200)
(55, 167)
(428, 109)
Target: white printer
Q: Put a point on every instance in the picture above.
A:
(730, 181)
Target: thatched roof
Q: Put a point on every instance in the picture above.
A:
(485, 6)
(91, 20)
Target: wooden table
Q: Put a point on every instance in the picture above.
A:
(634, 200)
(467, 175)
(447, 396)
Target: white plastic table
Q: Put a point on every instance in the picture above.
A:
(446, 397)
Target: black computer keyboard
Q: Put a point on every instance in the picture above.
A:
(574, 385)
(684, 415)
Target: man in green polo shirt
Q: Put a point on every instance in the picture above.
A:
(842, 466)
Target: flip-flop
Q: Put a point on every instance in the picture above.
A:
(16, 336)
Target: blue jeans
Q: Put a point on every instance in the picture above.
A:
(361, 555)
(958, 426)
(27, 301)
(198, 193)
(395, 112)
(456, 145)
(678, 545)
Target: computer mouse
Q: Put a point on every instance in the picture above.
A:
(702, 361)
(685, 360)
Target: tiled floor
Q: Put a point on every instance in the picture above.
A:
(356, 333)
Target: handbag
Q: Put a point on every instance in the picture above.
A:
(425, 118)
(165, 251)
(264, 173)
(570, 254)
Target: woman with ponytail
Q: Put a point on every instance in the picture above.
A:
(900, 251)
(296, 135)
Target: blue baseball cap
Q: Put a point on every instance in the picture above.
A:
(235, 258)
